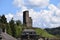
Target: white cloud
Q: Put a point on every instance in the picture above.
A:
(51, 16)
(45, 18)
(58, 12)
(18, 3)
(9, 16)
(33, 14)
(54, 25)
(55, 19)
(31, 3)
(41, 19)
(39, 3)
(52, 7)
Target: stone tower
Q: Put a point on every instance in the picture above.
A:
(27, 21)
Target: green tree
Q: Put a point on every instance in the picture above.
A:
(8, 29)
(3, 19)
(18, 22)
(0, 21)
(13, 28)
(3, 22)
(18, 30)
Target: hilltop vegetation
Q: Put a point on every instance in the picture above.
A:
(43, 33)
(54, 31)
(14, 28)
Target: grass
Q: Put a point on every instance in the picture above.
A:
(39, 31)
(43, 33)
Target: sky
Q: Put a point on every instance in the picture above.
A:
(44, 13)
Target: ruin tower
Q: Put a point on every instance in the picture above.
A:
(27, 21)
(30, 21)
